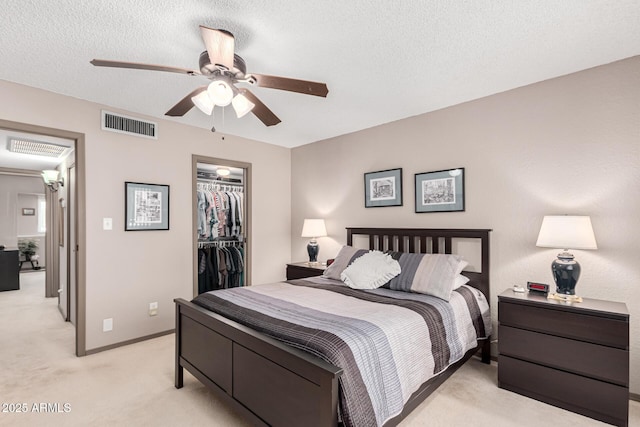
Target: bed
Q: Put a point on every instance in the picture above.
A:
(273, 383)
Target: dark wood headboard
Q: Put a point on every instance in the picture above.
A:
(429, 240)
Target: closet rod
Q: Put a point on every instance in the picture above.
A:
(219, 181)
(219, 243)
(217, 186)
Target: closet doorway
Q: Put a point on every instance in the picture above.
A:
(221, 223)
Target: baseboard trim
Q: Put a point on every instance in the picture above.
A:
(133, 341)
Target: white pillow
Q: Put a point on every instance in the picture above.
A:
(460, 280)
(370, 271)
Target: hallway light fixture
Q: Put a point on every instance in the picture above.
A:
(36, 148)
(52, 179)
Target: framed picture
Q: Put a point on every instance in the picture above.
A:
(383, 188)
(440, 191)
(146, 206)
(28, 211)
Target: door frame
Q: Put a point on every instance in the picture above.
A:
(80, 211)
(195, 159)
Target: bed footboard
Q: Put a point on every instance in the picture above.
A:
(273, 384)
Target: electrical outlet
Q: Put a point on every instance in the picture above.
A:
(153, 308)
(107, 325)
(107, 223)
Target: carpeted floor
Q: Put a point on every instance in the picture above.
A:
(133, 385)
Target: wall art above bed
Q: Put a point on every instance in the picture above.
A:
(383, 188)
(440, 191)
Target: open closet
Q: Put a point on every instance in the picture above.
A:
(221, 224)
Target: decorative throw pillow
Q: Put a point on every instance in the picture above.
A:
(431, 274)
(346, 256)
(370, 271)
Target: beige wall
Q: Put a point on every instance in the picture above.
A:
(17, 192)
(128, 270)
(567, 145)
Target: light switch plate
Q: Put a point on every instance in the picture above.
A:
(107, 223)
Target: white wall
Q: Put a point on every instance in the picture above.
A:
(568, 145)
(127, 270)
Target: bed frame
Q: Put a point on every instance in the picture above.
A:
(274, 384)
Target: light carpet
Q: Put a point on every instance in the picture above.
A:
(133, 385)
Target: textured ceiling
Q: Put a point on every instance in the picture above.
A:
(382, 60)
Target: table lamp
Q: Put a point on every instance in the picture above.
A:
(566, 232)
(313, 228)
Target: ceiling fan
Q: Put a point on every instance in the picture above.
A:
(220, 64)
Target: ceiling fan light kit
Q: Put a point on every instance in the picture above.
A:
(242, 105)
(220, 92)
(203, 102)
(225, 69)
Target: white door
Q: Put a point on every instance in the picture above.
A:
(72, 246)
(60, 247)
(67, 270)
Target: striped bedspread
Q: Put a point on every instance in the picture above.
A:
(387, 342)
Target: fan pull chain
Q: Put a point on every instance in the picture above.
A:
(223, 108)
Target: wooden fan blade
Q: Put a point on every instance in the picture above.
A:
(138, 66)
(292, 85)
(260, 110)
(185, 104)
(220, 45)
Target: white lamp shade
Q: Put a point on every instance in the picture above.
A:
(314, 228)
(220, 92)
(567, 232)
(50, 176)
(203, 102)
(242, 105)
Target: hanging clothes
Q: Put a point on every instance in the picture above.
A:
(220, 267)
(220, 211)
(220, 235)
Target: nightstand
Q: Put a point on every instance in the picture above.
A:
(571, 355)
(300, 270)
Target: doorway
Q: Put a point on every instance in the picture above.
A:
(56, 221)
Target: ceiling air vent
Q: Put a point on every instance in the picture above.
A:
(124, 124)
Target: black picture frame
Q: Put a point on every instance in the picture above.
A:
(383, 188)
(28, 211)
(440, 191)
(146, 206)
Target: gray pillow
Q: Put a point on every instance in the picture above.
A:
(431, 274)
(346, 256)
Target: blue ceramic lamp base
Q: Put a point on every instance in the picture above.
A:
(313, 249)
(566, 272)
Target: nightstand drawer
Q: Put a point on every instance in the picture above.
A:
(597, 399)
(565, 323)
(591, 360)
